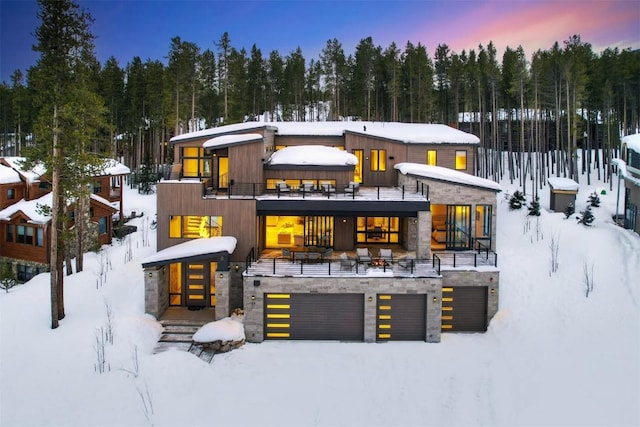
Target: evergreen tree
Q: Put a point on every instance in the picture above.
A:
(517, 200)
(63, 81)
(570, 210)
(594, 200)
(587, 217)
(7, 277)
(534, 207)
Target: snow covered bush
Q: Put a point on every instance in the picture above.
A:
(587, 217)
(517, 200)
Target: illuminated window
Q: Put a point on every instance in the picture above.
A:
(431, 158)
(194, 164)
(194, 227)
(461, 160)
(378, 229)
(357, 173)
(379, 160)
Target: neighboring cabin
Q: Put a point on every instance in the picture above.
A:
(359, 231)
(24, 227)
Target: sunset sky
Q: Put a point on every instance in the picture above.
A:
(144, 28)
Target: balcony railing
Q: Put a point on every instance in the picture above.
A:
(240, 190)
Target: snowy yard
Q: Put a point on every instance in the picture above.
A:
(551, 355)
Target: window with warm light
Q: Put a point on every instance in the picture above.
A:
(357, 173)
(194, 164)
(431, 158)
(194, 226)
(461, 160)
(378, 160)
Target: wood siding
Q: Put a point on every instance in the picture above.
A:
(245, 163)
(185, 198)
(18, 188)
(22, 251)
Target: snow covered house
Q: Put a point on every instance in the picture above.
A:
(629, 169)
(360, 231)
(24, 225)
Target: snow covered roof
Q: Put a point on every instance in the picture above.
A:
(8, 175)
(622, 170)
(632, 142)
(318, 155)
(30, 208)
(563, 184)
(446, 174)
(32, 174)
(409, 133)
(210, 245)
(113, 167)
(220, 141)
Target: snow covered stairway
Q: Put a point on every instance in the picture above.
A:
(177, 334)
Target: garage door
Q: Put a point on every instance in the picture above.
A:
(314, 317)
(464, 309)
(401, 317)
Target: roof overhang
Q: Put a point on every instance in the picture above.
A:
(408, 208)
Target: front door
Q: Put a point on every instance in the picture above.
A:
(197, 284)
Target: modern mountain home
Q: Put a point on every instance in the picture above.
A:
(355, 231)
(629, 169)
(25, 227)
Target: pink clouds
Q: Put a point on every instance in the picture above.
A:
(538, 25)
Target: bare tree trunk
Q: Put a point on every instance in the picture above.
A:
(55, 208)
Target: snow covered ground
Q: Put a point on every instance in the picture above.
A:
(551, 356)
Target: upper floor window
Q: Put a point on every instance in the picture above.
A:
(432, 158)
(11, 193)
(357, 172)
(194, 227)
(9, 232)
(24, 234)
(379, 160)
(194, 164)
(96, 187)
(461, 160)
(102, 225)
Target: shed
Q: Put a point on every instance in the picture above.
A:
(563, 193)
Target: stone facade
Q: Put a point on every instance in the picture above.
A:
(156, 290)
(369, 287)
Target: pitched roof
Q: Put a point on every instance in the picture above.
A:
(32, 208)
(8, 175)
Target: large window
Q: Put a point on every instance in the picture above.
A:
(194, 164)
(483, 225)
(24, 234)
(194, 227)
(378, 229)
(26, 272)
(379, 160)
(432, 159)
(461, 160)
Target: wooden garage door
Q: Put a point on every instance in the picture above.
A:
(464, 309)
(314, 317)
(401, 317)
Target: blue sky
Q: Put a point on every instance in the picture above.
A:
(144, 28)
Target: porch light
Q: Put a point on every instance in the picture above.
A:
(435, 299)
(493, 291)
(370, 299)
(253, 297)
(237, 267)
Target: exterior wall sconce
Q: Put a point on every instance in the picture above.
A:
(253, 297)
(344, 220)
(493, 291)
(221, 275)
(236, 267)
(150, 274)
(370, 299)
(435, 299)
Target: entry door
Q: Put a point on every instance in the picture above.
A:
(223, 172)
(458, 227)
(197, 274)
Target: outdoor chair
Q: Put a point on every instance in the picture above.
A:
(407, 262)
(299, 256)
(328, 189)
(363, 255)
(346, 263)
(283, 187)
(313, 256)
(386, 254)
(286, 253)
(306, 187)
(352, 188)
